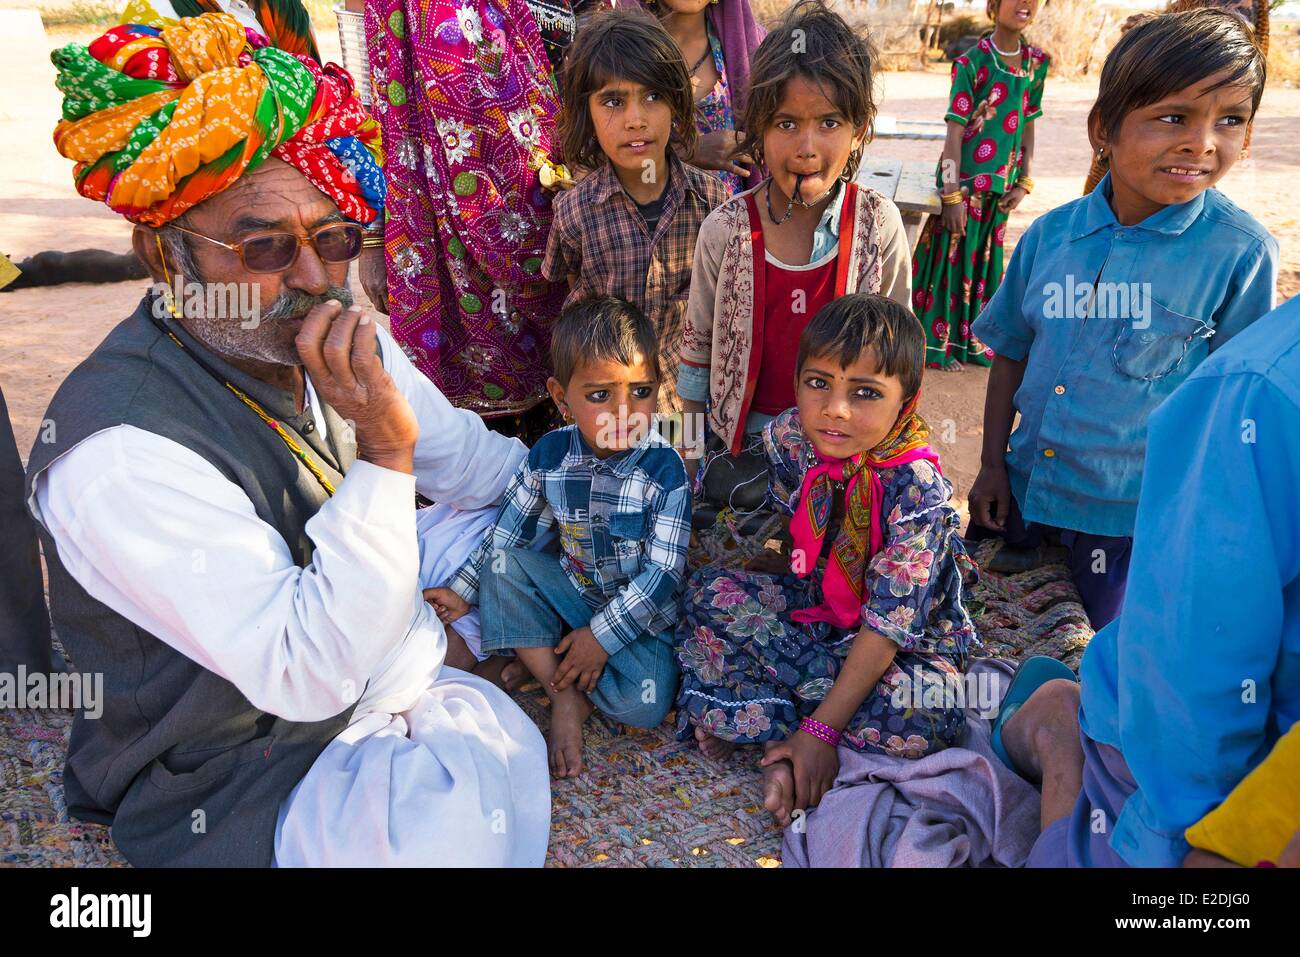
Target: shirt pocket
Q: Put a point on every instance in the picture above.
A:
(1156, 348)
(627, 532)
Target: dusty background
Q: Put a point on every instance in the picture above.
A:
(44, 333)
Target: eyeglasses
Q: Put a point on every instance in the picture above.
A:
(276, 252)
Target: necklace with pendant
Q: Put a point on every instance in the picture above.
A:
(794, 198)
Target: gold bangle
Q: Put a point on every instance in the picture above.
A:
(372, 242)
(1025, 183)
(951, 199)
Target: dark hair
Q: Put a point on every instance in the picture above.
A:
(602, 328)
(622, 43)
(848, 326)
(815, 43)
(1170, 52)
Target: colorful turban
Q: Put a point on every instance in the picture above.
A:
(160, 118)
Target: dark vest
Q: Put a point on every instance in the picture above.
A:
(183, 766)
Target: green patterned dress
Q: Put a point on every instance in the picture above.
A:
(952, 277)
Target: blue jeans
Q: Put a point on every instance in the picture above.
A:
(531, 603)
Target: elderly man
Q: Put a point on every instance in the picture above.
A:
(228, 503)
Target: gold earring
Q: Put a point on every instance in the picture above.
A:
(169, 300)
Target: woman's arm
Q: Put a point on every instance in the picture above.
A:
(1016, 194)
(953, 215)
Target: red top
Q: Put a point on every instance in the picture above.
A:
(759, 267)
(786, 290)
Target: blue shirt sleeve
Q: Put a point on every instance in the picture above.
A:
(1252, 294)
(1202, 626)
(1002, 325)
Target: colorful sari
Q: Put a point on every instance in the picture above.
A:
(463, 92)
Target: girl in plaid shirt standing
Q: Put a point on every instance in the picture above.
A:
(628, 229)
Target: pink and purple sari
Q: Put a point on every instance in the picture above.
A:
(468, 108)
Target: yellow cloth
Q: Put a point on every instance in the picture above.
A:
(1262, 813)
(8, 271)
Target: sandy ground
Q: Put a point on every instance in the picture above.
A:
(44, 333)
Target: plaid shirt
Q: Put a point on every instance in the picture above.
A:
(624, 522)
(600, 240)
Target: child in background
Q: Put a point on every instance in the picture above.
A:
(628, 229)
(841, 650)
(997, 93)
(594, 623)
(770, 258)
(717, 38)
(1096, 322)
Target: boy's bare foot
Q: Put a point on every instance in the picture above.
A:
(508, 674)
(458, 653)
(514, 675)
(778, 791)
(714, 748)
(569, 711)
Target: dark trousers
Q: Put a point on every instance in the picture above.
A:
(1098, 563)
(24, 620)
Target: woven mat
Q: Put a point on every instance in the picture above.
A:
(644, 800)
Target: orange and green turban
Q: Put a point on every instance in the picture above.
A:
(159, 118)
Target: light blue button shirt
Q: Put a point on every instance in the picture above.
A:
(1200, 675)
(1112, 319)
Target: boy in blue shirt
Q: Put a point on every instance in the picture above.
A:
(1112, 300)
(1191, 688)
(594, 624)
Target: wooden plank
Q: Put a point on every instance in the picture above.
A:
(880, 174)
(909, 135)
(916, 190)
(912, 223)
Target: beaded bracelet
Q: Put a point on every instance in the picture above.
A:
(822, 732)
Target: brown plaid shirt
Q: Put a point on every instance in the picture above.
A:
(599, 240)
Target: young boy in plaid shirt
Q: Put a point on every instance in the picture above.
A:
(594, 624)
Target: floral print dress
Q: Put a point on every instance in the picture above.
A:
(714, 112)
(749, 672)
(952, 278)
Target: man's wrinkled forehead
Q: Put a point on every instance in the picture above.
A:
(273, 196)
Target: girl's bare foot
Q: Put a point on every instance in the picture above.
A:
(954, 366)
(714, 748)
(778, 791)
(569, 711)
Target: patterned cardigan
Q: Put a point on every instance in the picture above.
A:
(724, 308)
